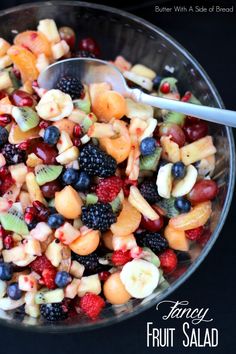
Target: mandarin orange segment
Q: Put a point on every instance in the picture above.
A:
(25, 61)
(176, 239)
(5, 105)
(198, 216)
(108, 105)
(35, 41)
(128, 221)
(119, 147)
(17, 136)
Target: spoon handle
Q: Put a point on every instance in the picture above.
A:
(211, 114)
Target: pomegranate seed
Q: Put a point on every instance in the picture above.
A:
(165, 87)
(4, 171)
(186, 96)
(43, 124)
(5, 119)
(103, 276)
(43, 212)
(77, 142)
(21, 98)
(31, 210)
(8, 242)
(28, 217)
(24, 145)
(2, 231)
(77, 131)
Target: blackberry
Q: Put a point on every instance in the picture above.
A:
(71, 85)
(152, 240)
(148, 189)
(84, 54)
(96, 162)
(3, 136)
(98, 216)
(12, 154)
(91, 263)
(54, 312)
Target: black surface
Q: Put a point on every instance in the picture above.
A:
(211, 39)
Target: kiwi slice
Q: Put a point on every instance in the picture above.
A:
(47, 173)
(168, 206)
(175, 117)
(116, 204)
(194, 100)
(83, 104)
(91, 198)
(25, 117)
(13, 220)
(15, 82)
(45, 296)
(150, 162)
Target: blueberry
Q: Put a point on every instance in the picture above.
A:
(32, 225)
(178, 170)
(182, 205)
(51, 135)
(3, 136)
(148, 146)
(62, 279)
(156, 82)
(14, 292)
(83, 182)
(70, 176)
(6, 271)
(55, 221)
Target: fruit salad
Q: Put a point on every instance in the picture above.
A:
(99, 195)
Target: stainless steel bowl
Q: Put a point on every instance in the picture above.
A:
(139, 41)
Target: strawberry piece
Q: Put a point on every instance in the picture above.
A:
(194, 234)
(92, 305)
(120, 258)
(48, 276)
(108, 189)
(168, 261)
(41, 263)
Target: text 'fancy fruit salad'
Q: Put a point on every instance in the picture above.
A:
(98, 194)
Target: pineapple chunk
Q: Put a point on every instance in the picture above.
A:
(64, 142)
(89, 284)
(5, 80)
(72, 289)
(41, 232)
(49, 28)
(42, 62)
(14, 254)
(33, 160)
(5, 61)
(24, 199)
(4, 46)
(77, 116)
(143, 70)
(33, 188)
(53, 253)
(18, 172)
(101, 130)
(138, 110)
(68, 156)
(60, 49)
(197, 150)
(140, 80)
(170, 150)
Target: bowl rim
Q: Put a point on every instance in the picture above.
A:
(228, 199)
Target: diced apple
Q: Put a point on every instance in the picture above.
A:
(123, 243)
(5, 61)
(18, 172)
(67, 233)
(41, 232)
(53, 253)
(14, 254)
(77, 269)
(4, 46)
(32, 310)
(60, 49)
(64, 142)
(71, 290)
(67, 156)
(27, 283)
(91, 284)
(32, 247)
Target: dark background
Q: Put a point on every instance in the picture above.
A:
(211, 40)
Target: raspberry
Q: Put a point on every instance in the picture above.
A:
(127, 183)
(194, 234)
(168, 261)
(119, 258)
(48, 276)
(108, 189)
(92, 305)
(41, 263)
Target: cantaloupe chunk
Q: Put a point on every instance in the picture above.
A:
(128, 221)
(68, 203)
(176, 239)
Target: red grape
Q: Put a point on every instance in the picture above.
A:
(49, 189)
(68, 34)
(90, 45)
(173, 130)
(21, 98)
(203, 191)
(195, 131)
(152, 225)
(44, 151)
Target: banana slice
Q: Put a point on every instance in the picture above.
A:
(185, 185)
(140, 278)
(54, 105)
(164, 181)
